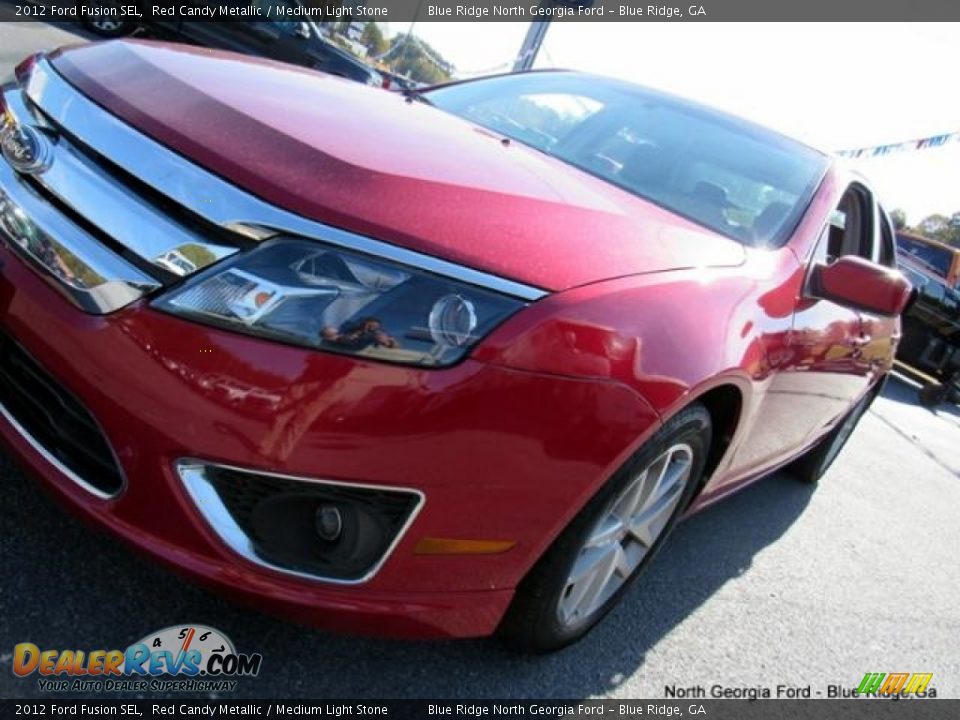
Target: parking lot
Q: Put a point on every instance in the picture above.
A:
(781, 584)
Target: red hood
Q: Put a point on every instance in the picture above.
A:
(366, 160)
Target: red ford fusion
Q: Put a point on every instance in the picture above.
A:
(443, 365)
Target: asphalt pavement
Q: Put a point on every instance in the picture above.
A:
(783, 584)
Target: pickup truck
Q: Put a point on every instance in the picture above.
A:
(931, 327)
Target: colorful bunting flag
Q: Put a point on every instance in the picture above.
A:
(919, 144)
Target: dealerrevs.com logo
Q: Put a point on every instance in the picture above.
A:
(190, 658)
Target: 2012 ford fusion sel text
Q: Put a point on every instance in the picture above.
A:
(443, 365)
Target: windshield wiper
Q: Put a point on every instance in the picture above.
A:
(415, 95)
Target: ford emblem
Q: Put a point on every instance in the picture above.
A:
(25, 149)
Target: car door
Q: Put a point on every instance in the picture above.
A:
(881, 334)
(831, 345)
(817, 367)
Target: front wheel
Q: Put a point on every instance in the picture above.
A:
(613, 539)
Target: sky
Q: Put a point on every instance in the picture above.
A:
(833, 85)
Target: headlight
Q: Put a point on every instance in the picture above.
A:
(317, 296)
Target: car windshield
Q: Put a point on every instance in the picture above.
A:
(733, 177)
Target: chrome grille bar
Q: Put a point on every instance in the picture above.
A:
(118, 211)
(93, 277)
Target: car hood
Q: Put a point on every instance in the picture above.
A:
(369, 161)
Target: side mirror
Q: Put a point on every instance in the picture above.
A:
(862, 285)
(302, 30)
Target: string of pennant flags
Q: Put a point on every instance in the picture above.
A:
(907, 145)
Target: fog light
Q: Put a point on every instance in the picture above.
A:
(323, 529)
(328, 522)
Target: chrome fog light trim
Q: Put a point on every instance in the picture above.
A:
(194, 476)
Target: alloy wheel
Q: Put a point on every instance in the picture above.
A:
(624, 536)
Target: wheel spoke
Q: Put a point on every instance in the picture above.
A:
(627, 503)
(673, 470)
(611, 529)
(589, 589)
(646, 526)
(588, 564)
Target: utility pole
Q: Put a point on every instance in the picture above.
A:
(531, 45)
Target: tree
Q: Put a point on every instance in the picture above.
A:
(944, 228)
(934, 225)
(899, 218)
(414, 58)
(373, 38)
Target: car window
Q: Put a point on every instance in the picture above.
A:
(733, 177)
(850, 230)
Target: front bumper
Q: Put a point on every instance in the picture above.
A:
(497, 453)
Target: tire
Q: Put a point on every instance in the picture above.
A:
(551, 609)
(812, 465)
(110, 28)
(931, 395)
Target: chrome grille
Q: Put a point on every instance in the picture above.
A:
(99, 208)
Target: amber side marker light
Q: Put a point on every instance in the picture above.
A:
(454, 546)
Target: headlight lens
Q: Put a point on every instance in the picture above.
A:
(318, 296)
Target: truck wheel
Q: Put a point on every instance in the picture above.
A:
(931, 395)
(110, 28)
(612, 541)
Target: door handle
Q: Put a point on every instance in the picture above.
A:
(856, 345)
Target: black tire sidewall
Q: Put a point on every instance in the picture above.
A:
(532, 623)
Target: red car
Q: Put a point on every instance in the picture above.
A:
(441, 365)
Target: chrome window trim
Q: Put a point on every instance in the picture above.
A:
(122, 283)
(211, 508)
(221, 202)
(49, 457)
